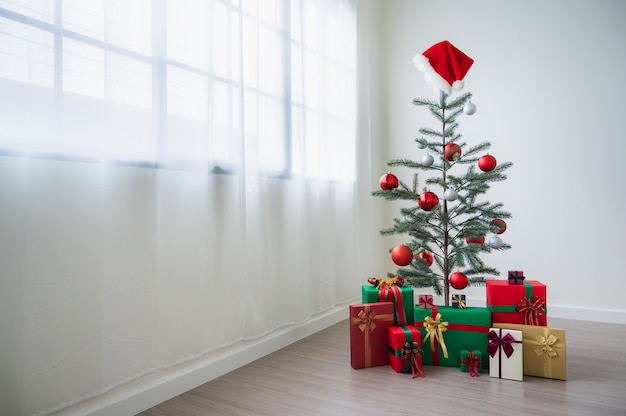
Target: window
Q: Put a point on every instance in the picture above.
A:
(197, 84)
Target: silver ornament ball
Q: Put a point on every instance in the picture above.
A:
(450, 195)
(495, 242)
(428, 159)
(419, 145)
(469, 108)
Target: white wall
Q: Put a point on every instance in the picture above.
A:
(548, 82)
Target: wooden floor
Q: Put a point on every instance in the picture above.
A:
(314, 377)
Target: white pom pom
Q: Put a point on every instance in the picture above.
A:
(458, 85)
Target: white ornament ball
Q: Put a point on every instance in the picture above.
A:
(450, 195)
(495, 242)
(419, 145)
(428, 159)
(469, 108)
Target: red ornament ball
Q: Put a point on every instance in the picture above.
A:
(428, 200)
(427, 257)
(451, 150)
(402, 255)
(388, 181)
(487, 163)
(475, 240)
(458, 280)
(499, 224)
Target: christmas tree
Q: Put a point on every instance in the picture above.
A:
(448, 219)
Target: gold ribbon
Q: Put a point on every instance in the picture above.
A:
(545, 346)
(365, 320)
(387, 283)
(434, 330)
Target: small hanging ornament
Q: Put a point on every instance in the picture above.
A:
(475, 240)
(451, 151)
(428, 200)
(402, 255)
(469, 108)
(450, 195)
(498, 225)
(458, 280)
(427, 257)
(419, 145)
(428, 159)
(388, 181)
(487, 163)
(495, 242)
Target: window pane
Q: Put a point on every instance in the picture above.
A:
(26, 54)
(83, 69)
(187, 94)
(42, 10)
(188, 34)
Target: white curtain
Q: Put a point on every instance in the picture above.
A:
(176, 176)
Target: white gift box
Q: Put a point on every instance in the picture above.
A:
(506, 354)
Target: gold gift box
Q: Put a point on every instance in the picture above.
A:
(544, 350)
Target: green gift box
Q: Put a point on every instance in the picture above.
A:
(471, 362)
(403, 303)
(446, 331)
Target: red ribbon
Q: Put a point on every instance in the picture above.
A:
(426, 301)
(531, 310)
(410, 354)
(390, 292)
(498, 343)
(473, 364)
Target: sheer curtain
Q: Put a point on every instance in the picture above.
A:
(176, 176)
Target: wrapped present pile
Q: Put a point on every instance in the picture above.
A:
(508, 337)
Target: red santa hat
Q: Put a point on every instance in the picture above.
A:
(444, 66)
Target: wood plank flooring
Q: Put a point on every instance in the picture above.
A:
(314, 377)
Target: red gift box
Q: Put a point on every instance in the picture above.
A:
(517, 304)
(405, 350)
(369, 333)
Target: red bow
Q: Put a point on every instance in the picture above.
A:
(410, 354)
(473, 363)
(496, 342)
(532, 310)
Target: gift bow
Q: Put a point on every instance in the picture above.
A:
(473, 363)
(496, 342)
(545, 346)
(459, 300)
(410, 355)
(425, 301)
(435, 329)
(389, 282)
(366, 320)
(531, 310)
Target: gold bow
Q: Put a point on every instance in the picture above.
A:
(435, 329)
(545, 346)
(387, 283)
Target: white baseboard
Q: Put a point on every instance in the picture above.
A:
(148, 391)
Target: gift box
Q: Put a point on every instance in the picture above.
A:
(517, 304)
(506, 353)
(369, 333)
(516, 277)
(458, 301)
(471, 362)
(405, 351)
(446, 331)
(391, 291)
(544, 350)
(425, 301)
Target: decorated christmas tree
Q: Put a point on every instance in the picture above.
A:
(448, 224)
